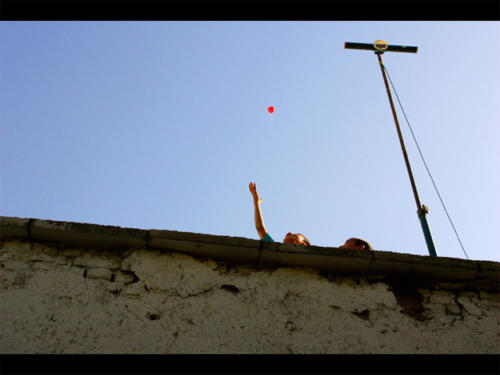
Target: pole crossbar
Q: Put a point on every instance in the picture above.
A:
(380, 46)
(371, 47)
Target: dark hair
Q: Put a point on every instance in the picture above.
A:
(305, 239)
(359, 241)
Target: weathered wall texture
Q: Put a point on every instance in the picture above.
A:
(62, 300)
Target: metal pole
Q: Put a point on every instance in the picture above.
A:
(421, 209)
(381, 46)
(400, 135)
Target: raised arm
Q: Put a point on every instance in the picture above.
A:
(259, 222)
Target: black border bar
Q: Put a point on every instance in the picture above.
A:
(249, 10)
(250, 364)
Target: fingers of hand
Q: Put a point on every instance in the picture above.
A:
(252, 187)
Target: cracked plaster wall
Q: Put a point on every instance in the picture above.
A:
(58, 300)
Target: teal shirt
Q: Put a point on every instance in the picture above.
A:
(268, 238)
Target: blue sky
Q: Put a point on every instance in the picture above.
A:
(162, 125)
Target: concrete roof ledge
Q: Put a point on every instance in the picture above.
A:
(489, 270)
(238, 249)
(12, 228)
(102, 237)
(438, 268)
(249, 251)
(340, 261)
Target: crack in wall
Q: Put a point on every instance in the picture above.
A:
(364, 315)
(479, 269)
(409, 298)
(28, 229)
(147, 239)
(261, 244)
(205, 291)
(371, 262)
(230, 288)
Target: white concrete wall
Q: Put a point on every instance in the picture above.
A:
(80, 301)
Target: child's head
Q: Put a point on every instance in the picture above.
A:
(296, 238)
(356, 244)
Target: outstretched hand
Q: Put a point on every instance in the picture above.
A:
(253, 190)
(259, 222)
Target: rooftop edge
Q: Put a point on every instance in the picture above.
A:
(249, 251)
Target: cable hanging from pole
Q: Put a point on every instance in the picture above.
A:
(425, 164)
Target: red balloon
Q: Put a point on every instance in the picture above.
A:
(270, 109)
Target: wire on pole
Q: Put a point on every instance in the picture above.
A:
(425, 164)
